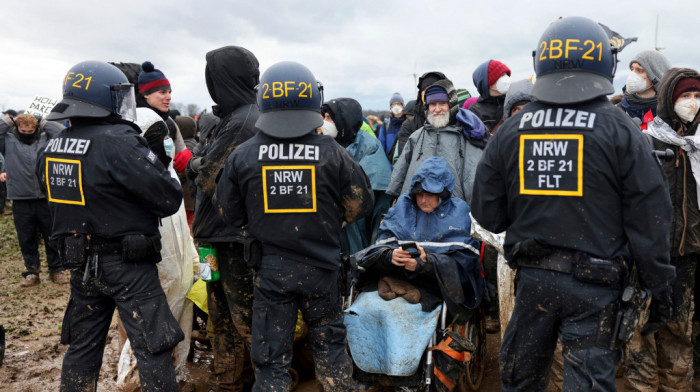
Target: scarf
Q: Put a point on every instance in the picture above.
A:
(659, 130)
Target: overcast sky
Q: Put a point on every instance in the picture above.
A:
(361, 49)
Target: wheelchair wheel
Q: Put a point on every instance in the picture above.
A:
(475, 331)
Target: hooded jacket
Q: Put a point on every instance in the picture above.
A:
(489, 109)
(366, 149)
(368, 152)
(231, 74)
(519, 92)
(453, 255)
(450, 143)
(685, 226)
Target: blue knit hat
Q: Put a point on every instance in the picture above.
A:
(151, 79)
(435, 94)
(396, 98)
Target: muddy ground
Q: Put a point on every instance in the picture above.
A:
(32, 320)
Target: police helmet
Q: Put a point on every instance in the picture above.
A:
(95, 89)
(574, 62)
(289, 98)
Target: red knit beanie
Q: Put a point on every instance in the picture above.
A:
(496, 70)
(687, 84)
(151, 79)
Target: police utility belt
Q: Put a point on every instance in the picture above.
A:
(82, 252)
(582, 266)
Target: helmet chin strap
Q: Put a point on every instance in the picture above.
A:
(614, 49)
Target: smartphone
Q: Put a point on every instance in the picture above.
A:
(412, 249)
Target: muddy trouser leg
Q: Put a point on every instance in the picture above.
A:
(696, 335)
(587, 317)
(85, 327)
(557, 370)
(674, 343)
(227, 346)
(321, 308)
(237, 284)
(531, 335)
(275, 310)
(640, 358)
(144, 311)
(26, 224)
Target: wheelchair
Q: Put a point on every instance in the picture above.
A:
(425, 374)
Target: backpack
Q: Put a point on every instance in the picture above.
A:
(450, 357)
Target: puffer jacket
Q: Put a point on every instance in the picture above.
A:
(685, 226)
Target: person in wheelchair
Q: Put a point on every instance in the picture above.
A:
(424, 257)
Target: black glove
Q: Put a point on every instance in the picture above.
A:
(154, 136)
(660, 313)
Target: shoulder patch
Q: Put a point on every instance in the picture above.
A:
(151, 157)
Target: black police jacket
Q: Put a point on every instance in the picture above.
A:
(294, 194)
(102, 179)
(579, 178)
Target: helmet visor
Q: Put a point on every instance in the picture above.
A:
(124, 101)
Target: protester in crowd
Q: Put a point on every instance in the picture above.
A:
(341, 120)
(298, 232)
(418, 120)
(188, 131)
(109, 192)
(175, 270)
(22, 140)
(232, 76)
(155, 93)
(392, 125)
(571, 241)
(517, 97)
(375, 123)
(492, 80)
(456, 135)
(469, 102)
(7, 118)
(440, 225)
(462, 96)
(639, 98)
(664, 360)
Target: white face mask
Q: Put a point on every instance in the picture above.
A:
(635, 83)
(169, 147)
(687, 109)
(328, 128)
(396, 109)
(503, 84)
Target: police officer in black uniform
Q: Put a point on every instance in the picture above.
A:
(573, 183)
(292, 189)
(107, 191)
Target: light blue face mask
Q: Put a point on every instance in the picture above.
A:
(169, 146)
